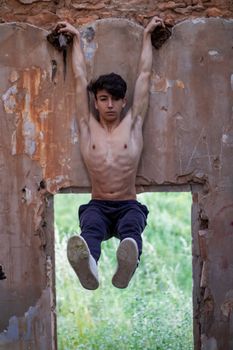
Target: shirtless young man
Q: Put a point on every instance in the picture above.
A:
(111, 148)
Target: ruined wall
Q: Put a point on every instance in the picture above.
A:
(190, 113)
(43, 13)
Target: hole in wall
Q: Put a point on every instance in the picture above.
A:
(155, 311)
(2, 274)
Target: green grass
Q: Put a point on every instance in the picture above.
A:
(155, 311)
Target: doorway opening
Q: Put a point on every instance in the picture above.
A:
(155, 311)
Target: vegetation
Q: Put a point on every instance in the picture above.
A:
(155, 311)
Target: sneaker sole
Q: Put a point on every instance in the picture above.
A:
(127, 258)
(79, 258)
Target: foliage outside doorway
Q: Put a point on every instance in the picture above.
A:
(155, 311)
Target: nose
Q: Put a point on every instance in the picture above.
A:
(109, 103)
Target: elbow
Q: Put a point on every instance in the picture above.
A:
(80, 77)
(144, 76)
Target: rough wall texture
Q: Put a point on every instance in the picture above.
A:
(43, 13)
(190, 114)
(27, 252)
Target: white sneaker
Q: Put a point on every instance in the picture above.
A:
(127, 258)
(83, 262)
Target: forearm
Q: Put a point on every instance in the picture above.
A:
(145, 63)
(79, 70)
(141, 91)
(78, 59)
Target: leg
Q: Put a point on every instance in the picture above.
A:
(127, 259)
(94, 227)
(129, 228)
(83, 251)
(82, 262)
(132, 224)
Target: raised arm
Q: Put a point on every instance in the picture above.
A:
(142, 86)
(80, 72)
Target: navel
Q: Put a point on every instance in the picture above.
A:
(125, 146)
(93, 146)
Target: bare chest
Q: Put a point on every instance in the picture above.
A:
(119, 150)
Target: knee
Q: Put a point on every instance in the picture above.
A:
(134, 224)
(92, 223)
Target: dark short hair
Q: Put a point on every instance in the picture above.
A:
(113, 83)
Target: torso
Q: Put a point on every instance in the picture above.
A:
(112, 157)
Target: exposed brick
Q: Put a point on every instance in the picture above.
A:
(44, 13)
(170, 5)
(192, 2)
(198, 8)
(86, 20)
(65, 14)
(184, 11)
(170, 19)
(90, 7)
(26, 2)
(214, 12)
(43, 19)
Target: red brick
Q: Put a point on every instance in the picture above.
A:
(42, 19)
(214, 12)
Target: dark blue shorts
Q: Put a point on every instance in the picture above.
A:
(103, 219)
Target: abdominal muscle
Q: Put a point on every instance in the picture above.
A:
(112, 160)
(113, 170)
(114, 185)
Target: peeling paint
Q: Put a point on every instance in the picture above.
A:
(227, 139)
(198, 20)
(204, 275)
(38, 211)
(232, 83)
(65, 163)
(89, 46)
(161, 84)
(213, 52)
(26, 328)
(89, 50)
(179, 84)
(9, 99)
(74, 131)
(215, 55)
(30, 136)
(208, 343)
(54, 184)
(207, 306)
(14, 76)
(12, 334)
(49, 271)
(13, 143)
(28, 133)
(27, 196)
(227, 305)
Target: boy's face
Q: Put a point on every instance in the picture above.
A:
(108, 106)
